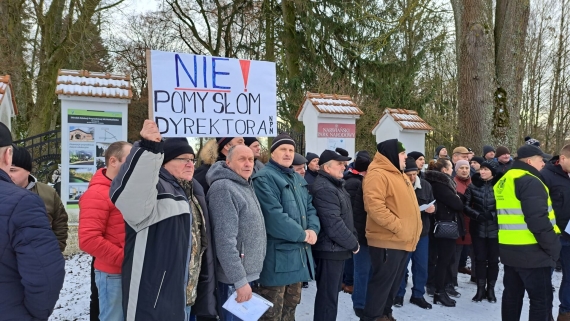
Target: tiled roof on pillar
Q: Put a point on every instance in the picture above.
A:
(5, 86)
(332, 104)
(407, 119)
(93, 84)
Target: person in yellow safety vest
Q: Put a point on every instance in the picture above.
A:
(529, 244)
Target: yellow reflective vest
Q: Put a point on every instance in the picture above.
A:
(512, 226)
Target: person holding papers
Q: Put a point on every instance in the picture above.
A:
(238, 226)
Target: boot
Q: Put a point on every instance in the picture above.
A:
(491, 291)
(443, 299)
(481, 295)
(451, 291)
(421, 302)
(398, 301)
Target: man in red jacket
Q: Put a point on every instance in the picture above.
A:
(102, 232)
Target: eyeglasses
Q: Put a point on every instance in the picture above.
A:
(187, 160)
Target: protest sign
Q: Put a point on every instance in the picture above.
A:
(205, 96)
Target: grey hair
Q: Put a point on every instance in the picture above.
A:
(231, 151)
(327, 164)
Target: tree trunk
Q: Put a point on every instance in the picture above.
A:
(292, 50)
(511, 22)
(475, 66)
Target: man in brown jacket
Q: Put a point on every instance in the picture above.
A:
(393, 227)
(20, 175)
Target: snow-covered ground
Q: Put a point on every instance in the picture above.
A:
(73, 302)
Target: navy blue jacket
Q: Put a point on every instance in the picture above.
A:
(32, 268)
(558, 183)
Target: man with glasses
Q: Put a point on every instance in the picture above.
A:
(165, 214)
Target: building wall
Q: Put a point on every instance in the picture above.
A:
(413, 141)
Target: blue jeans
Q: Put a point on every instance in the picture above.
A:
(419, 269)
(362, 273)
(564, 293)
(224, 292)
(189, 317)
(110, 296)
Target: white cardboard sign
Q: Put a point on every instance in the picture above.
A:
(206, 96)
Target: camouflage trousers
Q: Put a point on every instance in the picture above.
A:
(284, 298)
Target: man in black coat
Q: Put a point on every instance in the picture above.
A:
(529, 245)
(419, 257)
(557, 179)
(337, 238)
(312, 167)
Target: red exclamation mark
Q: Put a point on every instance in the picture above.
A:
(245, 71)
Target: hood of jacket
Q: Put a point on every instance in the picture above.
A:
(440, 177)
(209, 153)
(478, 181)
(220, 170)
(554, 167)
(389, 149)
(100, 178)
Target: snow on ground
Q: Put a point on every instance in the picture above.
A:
(73, 302)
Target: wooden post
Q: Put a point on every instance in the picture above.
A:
(149, 82)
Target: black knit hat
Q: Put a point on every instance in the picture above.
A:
(342, 151)
(492, 165)
(438, 149)
(5, 136)
(527, 151)
(22, 158)
(310, 156)
(223, 141)
(531, 141)
(411, 165)
(416, 155)
(249, 140)
(487, 149)
(174, 147)
(478, 159)
(362, 161)
(280, 140)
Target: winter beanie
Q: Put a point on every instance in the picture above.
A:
(492, 165)
(174, 147)
(478, 159)
(416, 155)
(280, 140)
(342, 151)
(22, 158)
(362, 161)
(5, 135)
(223, 141)
(311, 156)
(487, 149)
(501, 150)
(411, 165)
(438, 149)
(401, 147)
(249, 140)
(531, 141)
(461, 163)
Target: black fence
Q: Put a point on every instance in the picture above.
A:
(298, 136)
(45, 149)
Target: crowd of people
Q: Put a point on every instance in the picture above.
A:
(171, 240)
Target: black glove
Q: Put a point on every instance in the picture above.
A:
(481, 218)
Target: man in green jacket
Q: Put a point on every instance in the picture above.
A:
(20, 175)
(292, 226)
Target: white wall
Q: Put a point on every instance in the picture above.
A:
(311, 120)
(6, 112)
(388, 130)
(413, 141)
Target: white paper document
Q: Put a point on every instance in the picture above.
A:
(426, 206)
(250, 310)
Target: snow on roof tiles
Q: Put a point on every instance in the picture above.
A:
(331, 104)
(407, 119)
(5, 85)
(93, 84)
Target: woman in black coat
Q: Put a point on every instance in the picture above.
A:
(480, 206)
(449, 207)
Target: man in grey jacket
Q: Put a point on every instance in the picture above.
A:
(238, 225)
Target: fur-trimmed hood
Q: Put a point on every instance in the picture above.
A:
(209, 153)
(440, 177)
